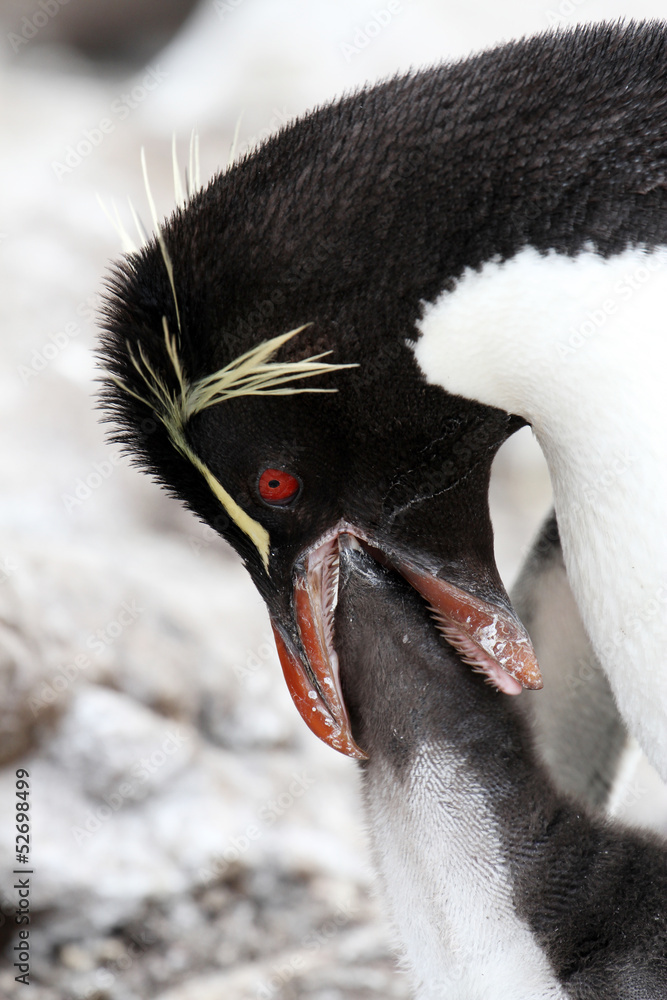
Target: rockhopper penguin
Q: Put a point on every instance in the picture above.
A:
(338, 333)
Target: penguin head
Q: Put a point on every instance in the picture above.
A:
(275, 393)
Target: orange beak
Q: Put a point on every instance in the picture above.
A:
(486, 635)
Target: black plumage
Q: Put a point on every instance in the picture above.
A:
(593, 895)
(345, 226)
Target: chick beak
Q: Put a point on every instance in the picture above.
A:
(487, 635)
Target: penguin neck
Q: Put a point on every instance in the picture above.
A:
(441, 857)
(574, 344)
(453, 793)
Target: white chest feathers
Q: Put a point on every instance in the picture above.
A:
(438, 852)
(578, 347)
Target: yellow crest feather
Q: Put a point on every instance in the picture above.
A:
(251, 374)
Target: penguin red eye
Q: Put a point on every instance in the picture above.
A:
(277, 487)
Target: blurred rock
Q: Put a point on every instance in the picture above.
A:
(31, 645)
(118, 30)
(21, 680)
(116, 750)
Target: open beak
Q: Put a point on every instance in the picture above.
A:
(486, 635)
(312, 673)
